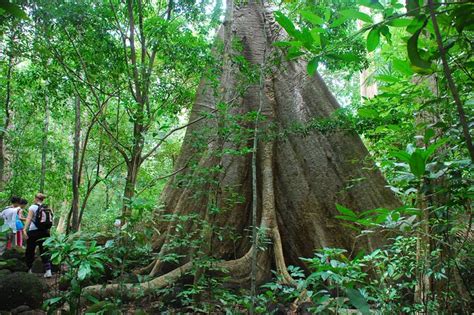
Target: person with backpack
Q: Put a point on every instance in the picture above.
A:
(37, 225)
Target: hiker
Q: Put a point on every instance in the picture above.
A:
(10, 214)
(19, 222)
(36, 229)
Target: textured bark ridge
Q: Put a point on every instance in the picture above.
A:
(300, 178)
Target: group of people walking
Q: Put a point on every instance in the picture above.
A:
(34, 228)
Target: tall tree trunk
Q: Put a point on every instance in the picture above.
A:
(311, 173)
(141, 74)
(133, 167)
(44, 147)
(451, 84)
(6, 122)
(107, 197)
(300, 178)
(75, 167)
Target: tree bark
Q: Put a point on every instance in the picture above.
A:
(44, 147)
(6, 122)
(133, 167)
(75, 167)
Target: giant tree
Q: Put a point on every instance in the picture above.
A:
(301, 172)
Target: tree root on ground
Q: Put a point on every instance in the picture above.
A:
(132, 290)
(144, 270)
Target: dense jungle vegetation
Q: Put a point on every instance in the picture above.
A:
(234, 157)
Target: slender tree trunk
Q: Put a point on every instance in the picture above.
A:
(141, 72)
(44, 148)
(423, 249)
(75, 167)
(452, 86)
(130, 182)
(6, 122)
(107, 197)
(91, 185)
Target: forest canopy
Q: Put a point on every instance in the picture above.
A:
(243, 156)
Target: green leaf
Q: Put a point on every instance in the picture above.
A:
(429, 133)
(286, 23)
(84, 271)
(12, 9)
(463, 17)
(433, 147)
(293, 53)
(345, 211)
(417, 163)
(339, 21)
(307, 39)
(413, 7)
(315, 33)
(312, 18)
(385, 31)
(358, 300)
(418, 64)
(402, 66)
(401, 155)
(354, 14)
(400, 22)
(373, 4)
(312, 66)
(418, 22)
(92, 298)
(367, 113)
(53, 300)
(347, 57)
(373, 39)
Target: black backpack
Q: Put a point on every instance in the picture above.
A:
(43, 218)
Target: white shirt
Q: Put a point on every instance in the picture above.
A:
(10, 214)
(33, 208)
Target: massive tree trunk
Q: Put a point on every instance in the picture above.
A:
(300, 177)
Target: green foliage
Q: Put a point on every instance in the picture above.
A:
(414, 132)
(85, 263)
(8, 8)
(336, 283)
(322, 36)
